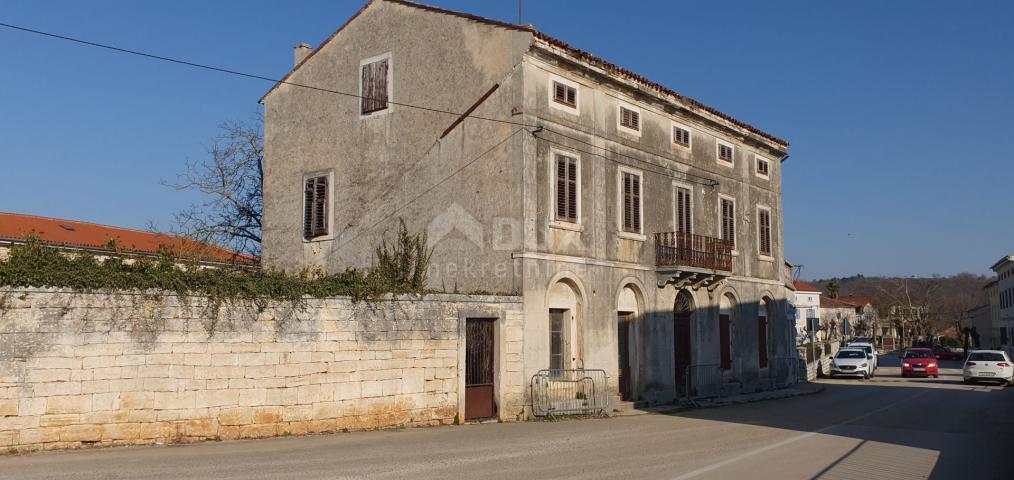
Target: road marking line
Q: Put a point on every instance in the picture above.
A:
(728, 461)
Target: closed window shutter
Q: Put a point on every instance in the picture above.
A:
(320, 207)
(683, 210)
(572, 189)
(635, 120)
(626, 202)
(561, 188)
(728, 221)
(374, 89)
(566, 189)
(635, 203)
(571, 96)
(308, 208)
(765, 232)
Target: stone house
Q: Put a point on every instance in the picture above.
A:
(641, 229)
(852, 316)
(1001, 298)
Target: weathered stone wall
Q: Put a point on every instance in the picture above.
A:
(82, 369)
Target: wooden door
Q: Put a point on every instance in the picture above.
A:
(681, 346)
(724, 336)
(762, 341)
(624, 322)
(479, 378)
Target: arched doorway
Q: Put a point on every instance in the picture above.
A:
(628, 310)
(564, 303)
(763, 332)
(683, 339)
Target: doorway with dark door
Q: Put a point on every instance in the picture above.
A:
(479, 374)
(624, 324)
(682, 341)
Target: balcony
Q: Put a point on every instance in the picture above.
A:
(685, 259)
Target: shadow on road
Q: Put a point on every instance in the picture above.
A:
(936, 428)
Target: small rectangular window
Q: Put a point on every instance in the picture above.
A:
(315, 207)
(566, 189)
(680, 136)
(729, 221)
(630, 119)
(763, 167)
(725, 152)
(764, 232)
(631, 202)
(373, 90)
(684, 223)
(564, 94)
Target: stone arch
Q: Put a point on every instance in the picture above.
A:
(684, 351)
(728, 309)
(565, 310)
(630, 311)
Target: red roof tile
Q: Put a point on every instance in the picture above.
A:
(75, 234)
(804, 287)
(609, 67)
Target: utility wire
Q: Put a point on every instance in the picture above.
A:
(248, 75)
(424, 192)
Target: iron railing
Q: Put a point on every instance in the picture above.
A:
(681, 249)
(569, 391)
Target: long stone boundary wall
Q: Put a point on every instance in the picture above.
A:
(80, 369)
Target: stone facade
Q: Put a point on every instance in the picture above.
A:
(492, 222)
(79, 369)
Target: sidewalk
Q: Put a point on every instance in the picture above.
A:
(796, 391)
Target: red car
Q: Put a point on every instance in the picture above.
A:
(919, 362)
(944, 353)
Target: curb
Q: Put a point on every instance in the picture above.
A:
(662, 410)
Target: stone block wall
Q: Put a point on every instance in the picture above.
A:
(80, 369)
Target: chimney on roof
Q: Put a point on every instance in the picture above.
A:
(302, 51)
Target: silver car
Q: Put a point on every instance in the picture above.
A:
(851, 362)
(988, 365)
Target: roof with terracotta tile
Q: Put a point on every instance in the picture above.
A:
(576, 52)
(15, 227)
(804, 287)
(844, 301)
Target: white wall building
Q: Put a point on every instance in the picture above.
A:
(1004, 269)
(807, 303)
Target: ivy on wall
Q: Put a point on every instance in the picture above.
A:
(34, 264)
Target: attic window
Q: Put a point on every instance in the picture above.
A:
(67, 227)
(724, 152)
(375, 85)
(564, 94)
(763, 167)
(680, 135)
(630, 118)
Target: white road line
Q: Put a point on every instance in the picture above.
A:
(728, 461)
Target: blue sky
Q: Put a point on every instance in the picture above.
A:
(900, 114)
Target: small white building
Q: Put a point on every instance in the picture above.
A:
(1004, 299)
(807, 303)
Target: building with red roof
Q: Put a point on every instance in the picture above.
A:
(75, 235)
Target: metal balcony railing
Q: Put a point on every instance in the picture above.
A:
(681, 249)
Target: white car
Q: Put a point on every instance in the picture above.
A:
(871, 352)
(991, 365)
(851, 362)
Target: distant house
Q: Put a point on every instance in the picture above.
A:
(807, 303)
(851, 315)
(78, 236)
(1001, 295)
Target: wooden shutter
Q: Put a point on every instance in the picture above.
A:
(315, 207)
(566, 188)
(762, 341)
(764, 220)
(308, 208)
(728, 221)
(374, 86)
(630, 119)
(564, 94)
(683, 223)
(631, 203)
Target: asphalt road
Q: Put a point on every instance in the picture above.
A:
(886, 428)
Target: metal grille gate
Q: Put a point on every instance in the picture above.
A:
(479, 378)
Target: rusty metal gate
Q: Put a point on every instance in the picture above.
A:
(479, 342)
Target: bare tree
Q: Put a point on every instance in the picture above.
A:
(231, 179)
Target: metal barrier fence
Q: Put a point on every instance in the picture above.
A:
(569, 391)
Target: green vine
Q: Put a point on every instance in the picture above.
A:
(35, 264)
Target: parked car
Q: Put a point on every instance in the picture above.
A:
(919, 362)
(851, 362)
(871, 352)
(988, 365)
(944, 353)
